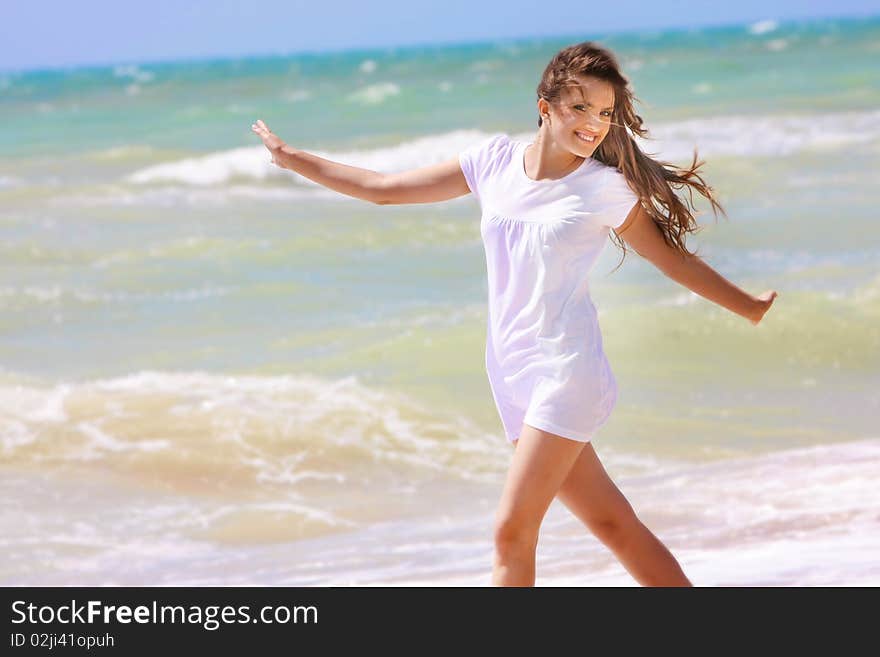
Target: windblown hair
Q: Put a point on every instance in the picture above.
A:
(653, 181)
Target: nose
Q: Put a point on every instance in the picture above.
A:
(595, 121)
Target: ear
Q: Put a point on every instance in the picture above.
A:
(543, 107)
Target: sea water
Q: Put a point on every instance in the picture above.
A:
(213, 371)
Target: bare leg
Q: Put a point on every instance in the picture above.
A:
(540, 464)
(593, 498)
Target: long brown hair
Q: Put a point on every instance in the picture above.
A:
(654, 182)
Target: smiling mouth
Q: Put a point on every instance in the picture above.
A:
(583, 136)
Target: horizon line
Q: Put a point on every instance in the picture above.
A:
(431, 45)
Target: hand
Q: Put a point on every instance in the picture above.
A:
(762, 304)
(272, 141)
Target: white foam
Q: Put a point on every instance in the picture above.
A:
(103, 530)
(374, 94)
(41, 294)
(133, 72)
(255, 162)
(249, 162)
(359, 424)
(14, 434)
(288, 476)
(34, 405)
(312, 513)
(175, 195)
(121, 152)
(25, 410)
(760, 136)
(801, 517)
(100, 440)
(763, 27)
(57, 295)
(734, 135)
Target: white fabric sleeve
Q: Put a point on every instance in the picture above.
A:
(618, 199)
(475, 160)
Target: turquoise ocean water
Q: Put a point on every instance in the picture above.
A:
(213, 371)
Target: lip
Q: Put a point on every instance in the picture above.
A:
(586, 134)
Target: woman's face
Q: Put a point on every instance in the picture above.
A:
(581, 118)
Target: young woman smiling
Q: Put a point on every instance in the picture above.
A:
(548, 208)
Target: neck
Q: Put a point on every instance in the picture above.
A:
(546, 160)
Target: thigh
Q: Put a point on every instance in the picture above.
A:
(590, 494)
(539, 466)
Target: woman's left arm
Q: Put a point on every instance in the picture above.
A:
(641, 233)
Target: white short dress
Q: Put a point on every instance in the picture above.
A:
(544, 355)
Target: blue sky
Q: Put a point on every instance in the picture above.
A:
(41, 34)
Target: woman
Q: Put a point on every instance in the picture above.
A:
(547, 208)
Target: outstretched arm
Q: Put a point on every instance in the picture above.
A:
(439, 182)
(641, 233)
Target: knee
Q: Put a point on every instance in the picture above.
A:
(615, 529)
(514, 536)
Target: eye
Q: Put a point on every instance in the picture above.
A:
(581, 108)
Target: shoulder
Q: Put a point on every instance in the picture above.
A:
(481, 160)
(488, 146)
(485, 156)
(609, 172)
(614, 182)
(617, 197)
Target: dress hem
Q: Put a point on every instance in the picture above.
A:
(563, 432)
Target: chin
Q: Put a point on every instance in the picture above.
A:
(585, 150)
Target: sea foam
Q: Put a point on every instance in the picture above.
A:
(736, 135)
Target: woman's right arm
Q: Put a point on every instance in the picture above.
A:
(438, 182)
